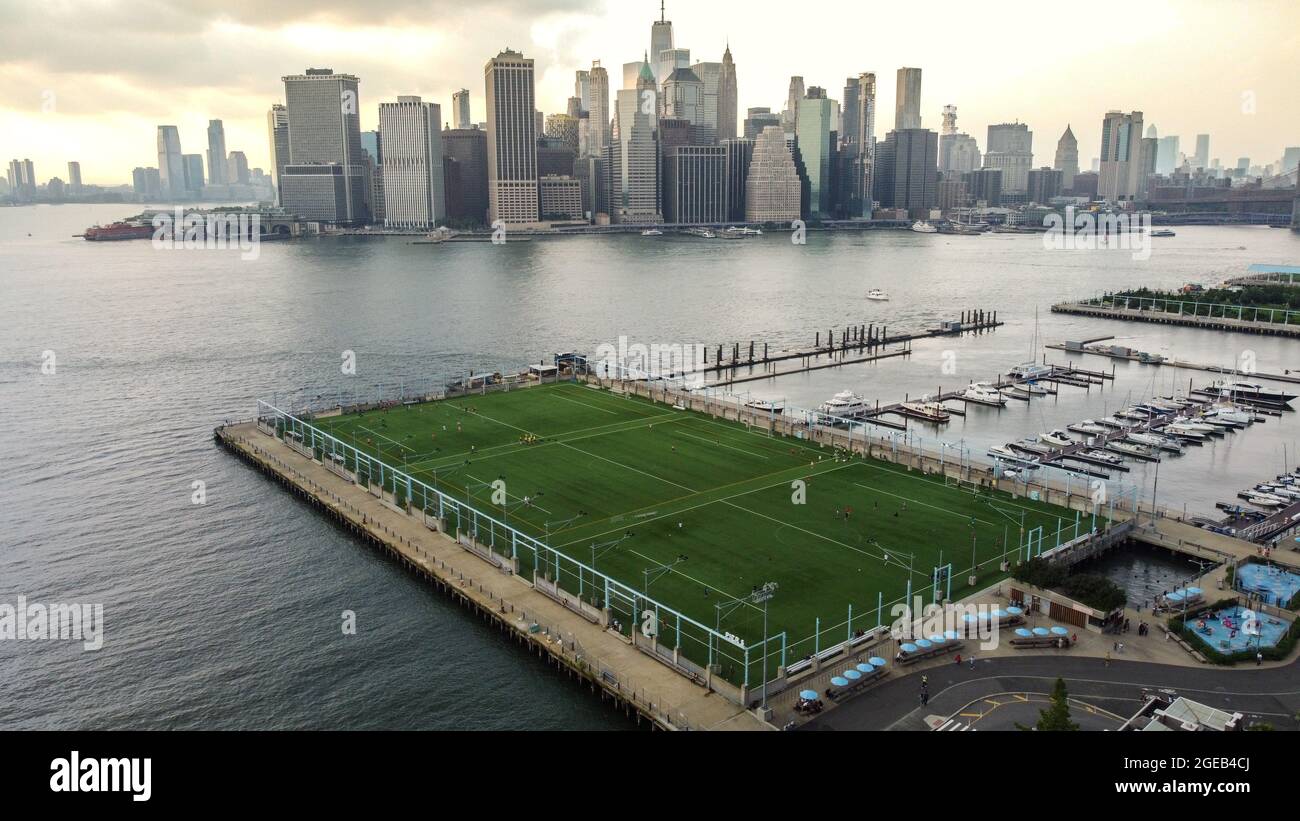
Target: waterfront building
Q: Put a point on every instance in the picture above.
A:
(1010, 148)
(146, 182)
(74, 176)
(511, 139)
(325, 130)
(560, 198)
(906, 172)
(237, 168)
(414, 187)
(460, 109)
(171, 163)
(695, 184)
(772, 187)
(984, 185)
(217, 170)
(1120, 175)
(467, 185)
(372, 143)
(858, 146)
(907, 99)
(1067, 158)
(739, 155)
(277, 127)
(814, 127)
(1044, 184)
(193, 164)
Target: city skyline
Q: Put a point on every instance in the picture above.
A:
(233, 61)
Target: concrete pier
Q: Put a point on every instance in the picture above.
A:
(602, 660)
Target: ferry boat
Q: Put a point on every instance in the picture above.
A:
(118, 231)
(923, 227)
(1056, 438)
(877, 295)
(983, 393)
(735, 232)
(705, 233)
(652, 232)
(1251, 392)
(844, 405)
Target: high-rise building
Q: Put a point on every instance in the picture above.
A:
(277, 130)
(906, 174)
(460, 108)
(1147, 156)
(1290, 158)
(814, 126)
(1120, 173)
(958, 152)
(772, 187)
(372, 143)
(795, 94)
(740, 153)
(683, 99)
(1167, 155)
(1202, 157)
(237, 167)
(467, 184)
(1044, 184)
(632, 156)
(598, 111)
(511, 139)
(563, 128)
(414, 191)
(560, 197)
(146, 182)
(661, 40)
(217, 172)
(710, 75)
(695, 184)
(325, 130)
(582, 89)
(728, 99)
(858, 146)
(171, 165)
(1010, 147)
(949, 121)
(984, 185)
(193, 173)
(74, 176)
(22, 178)
(907, 99)
(757, 119)
(1067, 158)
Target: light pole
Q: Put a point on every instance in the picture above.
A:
(762, 595)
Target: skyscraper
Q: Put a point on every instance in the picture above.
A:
(582, 89)
(460, 108)
(695, 184)
(740, 153)
(905, 173)
(728, 99)
(237, 167)
(958, 152)
(465, 152)
(792, 99)
(277, 132)
(1202, 158)
(710, 75)
(1120, 174)
(858, 141)
(511, 139)
(325, 178)
(1067, 158)
(632, 157)
(171, 165)
(1010, 147)
(907, 99)
(758, 118)
(772, 187)
(661, 40)
(813, 126)
(193, 173)
(74, 176)
(598, 108)
(683, 99)
(414, 190)
(217, 173)
(949, 121)
(1167, 155)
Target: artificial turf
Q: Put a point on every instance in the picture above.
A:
(709, 505)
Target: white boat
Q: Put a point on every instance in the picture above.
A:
(1153, 440)
(1184, 432)
(1113, 422)
(877, 295)
(652, 232)
(1232, 415)
(1029, 370)
(1103, 456)
(844, 405)
(929, 411)
(1056, 438)
(1134, 450)
(1193, 425)
(1032, 389)
(923, 227)
(739, 231)
(768, 405)
(1263, 499)
(1007, 454)
(983, 393)
(1088, 426)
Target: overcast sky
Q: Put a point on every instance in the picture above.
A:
(90, 80)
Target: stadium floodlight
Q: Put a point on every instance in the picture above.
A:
(560, 522)
(601, 548)
(762, 594)
(660, 570)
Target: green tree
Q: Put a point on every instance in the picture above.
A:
(1057, 716)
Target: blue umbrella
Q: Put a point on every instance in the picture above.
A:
(1023, 632)
(852, 674)
(1177, 595)
(999, 613)
(1015, 611)
(840, 682)
(808, 695)
(923, 644)
(950, 634)
(1193, 591)
(1060, 631)
(937, 639)
(876, 661)
(908, 648)
(1040, 631)
(865, 668)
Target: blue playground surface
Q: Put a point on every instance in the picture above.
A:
(1273, 583)
(1222, 630)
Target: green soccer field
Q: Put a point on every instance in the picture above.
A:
(695, 512)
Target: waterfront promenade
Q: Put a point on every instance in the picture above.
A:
(602, 660)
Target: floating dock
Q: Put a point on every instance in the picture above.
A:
(1185, 320)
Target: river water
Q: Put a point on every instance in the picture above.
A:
(227, 614)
